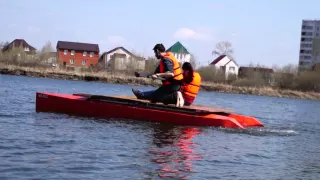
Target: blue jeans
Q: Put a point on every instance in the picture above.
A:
(147, 95)
(164, 93)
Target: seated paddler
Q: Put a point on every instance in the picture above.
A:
(189, 87)
(168, 69)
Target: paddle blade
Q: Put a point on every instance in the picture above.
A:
(141, 74)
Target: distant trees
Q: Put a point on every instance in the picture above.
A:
(223, 48)
(45, 51)
(3, 44)
(47, 48)
(193, 61)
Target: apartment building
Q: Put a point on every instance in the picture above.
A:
(310, 32)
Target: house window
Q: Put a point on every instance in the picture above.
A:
(72, 52)
(85, 53)
(65, 52)
(91, 54)
(84, 62)
(71, 61)
(26, 49)
(231, 69)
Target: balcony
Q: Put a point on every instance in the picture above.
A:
(306, 33)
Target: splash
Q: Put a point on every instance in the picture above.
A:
(262, 131)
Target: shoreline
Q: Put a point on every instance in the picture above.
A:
(108, 78)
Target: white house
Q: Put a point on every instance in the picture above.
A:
(119, 59)
(180, 52)
(226, 64)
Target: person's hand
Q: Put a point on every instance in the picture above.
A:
(154, 76)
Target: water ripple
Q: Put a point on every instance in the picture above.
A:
(56, 146)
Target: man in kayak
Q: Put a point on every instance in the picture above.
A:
(189, 88)
(170, 70)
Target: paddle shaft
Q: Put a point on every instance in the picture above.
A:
(146, 75)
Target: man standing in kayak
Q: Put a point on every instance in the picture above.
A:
(170, 70)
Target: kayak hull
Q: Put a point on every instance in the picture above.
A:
(80, 106)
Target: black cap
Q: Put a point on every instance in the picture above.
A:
(160, 47)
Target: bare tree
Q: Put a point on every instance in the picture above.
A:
(223, 48)
(47, 48)
(193, 61)
(290, 68)
(3, 44)
(151, 64)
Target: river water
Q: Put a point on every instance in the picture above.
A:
(56, 146)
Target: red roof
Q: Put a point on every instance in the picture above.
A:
(77, 46)
(217, 59)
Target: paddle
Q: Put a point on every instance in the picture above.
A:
(145, 75)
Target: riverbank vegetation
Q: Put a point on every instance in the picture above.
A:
(284, 81)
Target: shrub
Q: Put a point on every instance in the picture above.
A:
(307, 81)
(211, 74)
(248, 82)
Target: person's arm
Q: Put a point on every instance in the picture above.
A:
(168, 69)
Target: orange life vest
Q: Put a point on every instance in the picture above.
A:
(191, 90)
(177, 71)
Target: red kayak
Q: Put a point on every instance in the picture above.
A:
(128, 108)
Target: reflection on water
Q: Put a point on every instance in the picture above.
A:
(174, 151)
(56, 146)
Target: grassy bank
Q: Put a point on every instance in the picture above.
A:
(117, 78)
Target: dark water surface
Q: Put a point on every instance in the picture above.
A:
(54, 146)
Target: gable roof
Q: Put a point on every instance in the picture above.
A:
(116, 48)
(233, 61)
(17, 43)
(178, 48)
(217, 60)
(78, 46)
(124, 49)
